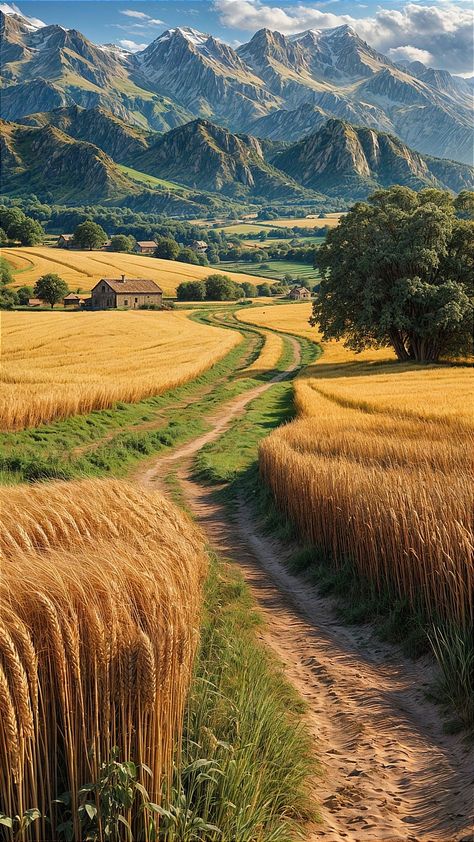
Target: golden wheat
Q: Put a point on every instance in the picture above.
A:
(269, 355)
(100, 595)
(61, 364)
(376, 468)
(83, 269)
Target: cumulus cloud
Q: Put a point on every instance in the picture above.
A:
(408, 53)
(132, 45)
(443, 31)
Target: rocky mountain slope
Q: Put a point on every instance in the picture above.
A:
(36, 160)
(98, 126)
(340, 159)
(185, 74)
(47, 67)
(208, 157)
(200, 166)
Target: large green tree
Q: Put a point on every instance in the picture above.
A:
(51, 288)
(399, 271)
(221, 288)
(167, 248)
(191, 291)
(89, 235)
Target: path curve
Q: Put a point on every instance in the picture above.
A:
(220, 422)
(390, 774)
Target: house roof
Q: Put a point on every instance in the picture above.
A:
(148, 244)
(300, 289)
(72, 296)
(130, 285)
(66, 236)
(34, 302)
(200, 243)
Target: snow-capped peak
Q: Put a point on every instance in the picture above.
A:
(31, 23)
(115, 49)
(193, 35)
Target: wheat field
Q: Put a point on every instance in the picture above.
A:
(377, 469)
(99, 627)
(83, 269)
(61, 364)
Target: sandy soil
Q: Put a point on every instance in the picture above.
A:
(388, 771)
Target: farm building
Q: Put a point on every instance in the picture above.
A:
(35, 302)
(65, 241)
(200, 246)
(299, 293)
(145, 247)
(72, 300)
(110, 293)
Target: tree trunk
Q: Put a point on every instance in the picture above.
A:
(424, 350)
(398, 344)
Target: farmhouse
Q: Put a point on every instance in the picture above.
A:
(200, 246)
(299, 293)
(35, 302)
(110, 293)
(65, 241)
(145, 247)
(72, 300)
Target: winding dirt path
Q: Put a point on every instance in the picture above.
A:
(388, 770)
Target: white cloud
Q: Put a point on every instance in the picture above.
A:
(147, 19)
(444, 31)
(132, 45)
(131, 13)
(12, 9)
(408, 53)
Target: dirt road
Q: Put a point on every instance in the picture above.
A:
(388, 770)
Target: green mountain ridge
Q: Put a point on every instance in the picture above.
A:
(200, 167)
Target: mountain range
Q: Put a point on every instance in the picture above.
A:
(277, 87)
(190, 126)
(73, 155)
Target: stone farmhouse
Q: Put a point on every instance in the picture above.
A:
(145, 247)
(300, 294)
(131, 293)
(200, 246)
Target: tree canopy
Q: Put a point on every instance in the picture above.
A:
(17, 226)
(51, 288)
(89, 235)
(399, 271)
(167, 248)
(120, 242)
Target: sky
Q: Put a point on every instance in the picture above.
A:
(439, 34)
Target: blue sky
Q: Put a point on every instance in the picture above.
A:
(437, 33)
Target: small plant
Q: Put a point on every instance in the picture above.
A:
(106, 806)
(19, 824)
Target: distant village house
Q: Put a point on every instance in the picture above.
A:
(145, 247)
(299, 293)
(200, 246)
(110, 293)
(35, 302)
(72, 300)
(65, 241)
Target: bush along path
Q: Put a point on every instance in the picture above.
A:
(389, 771)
